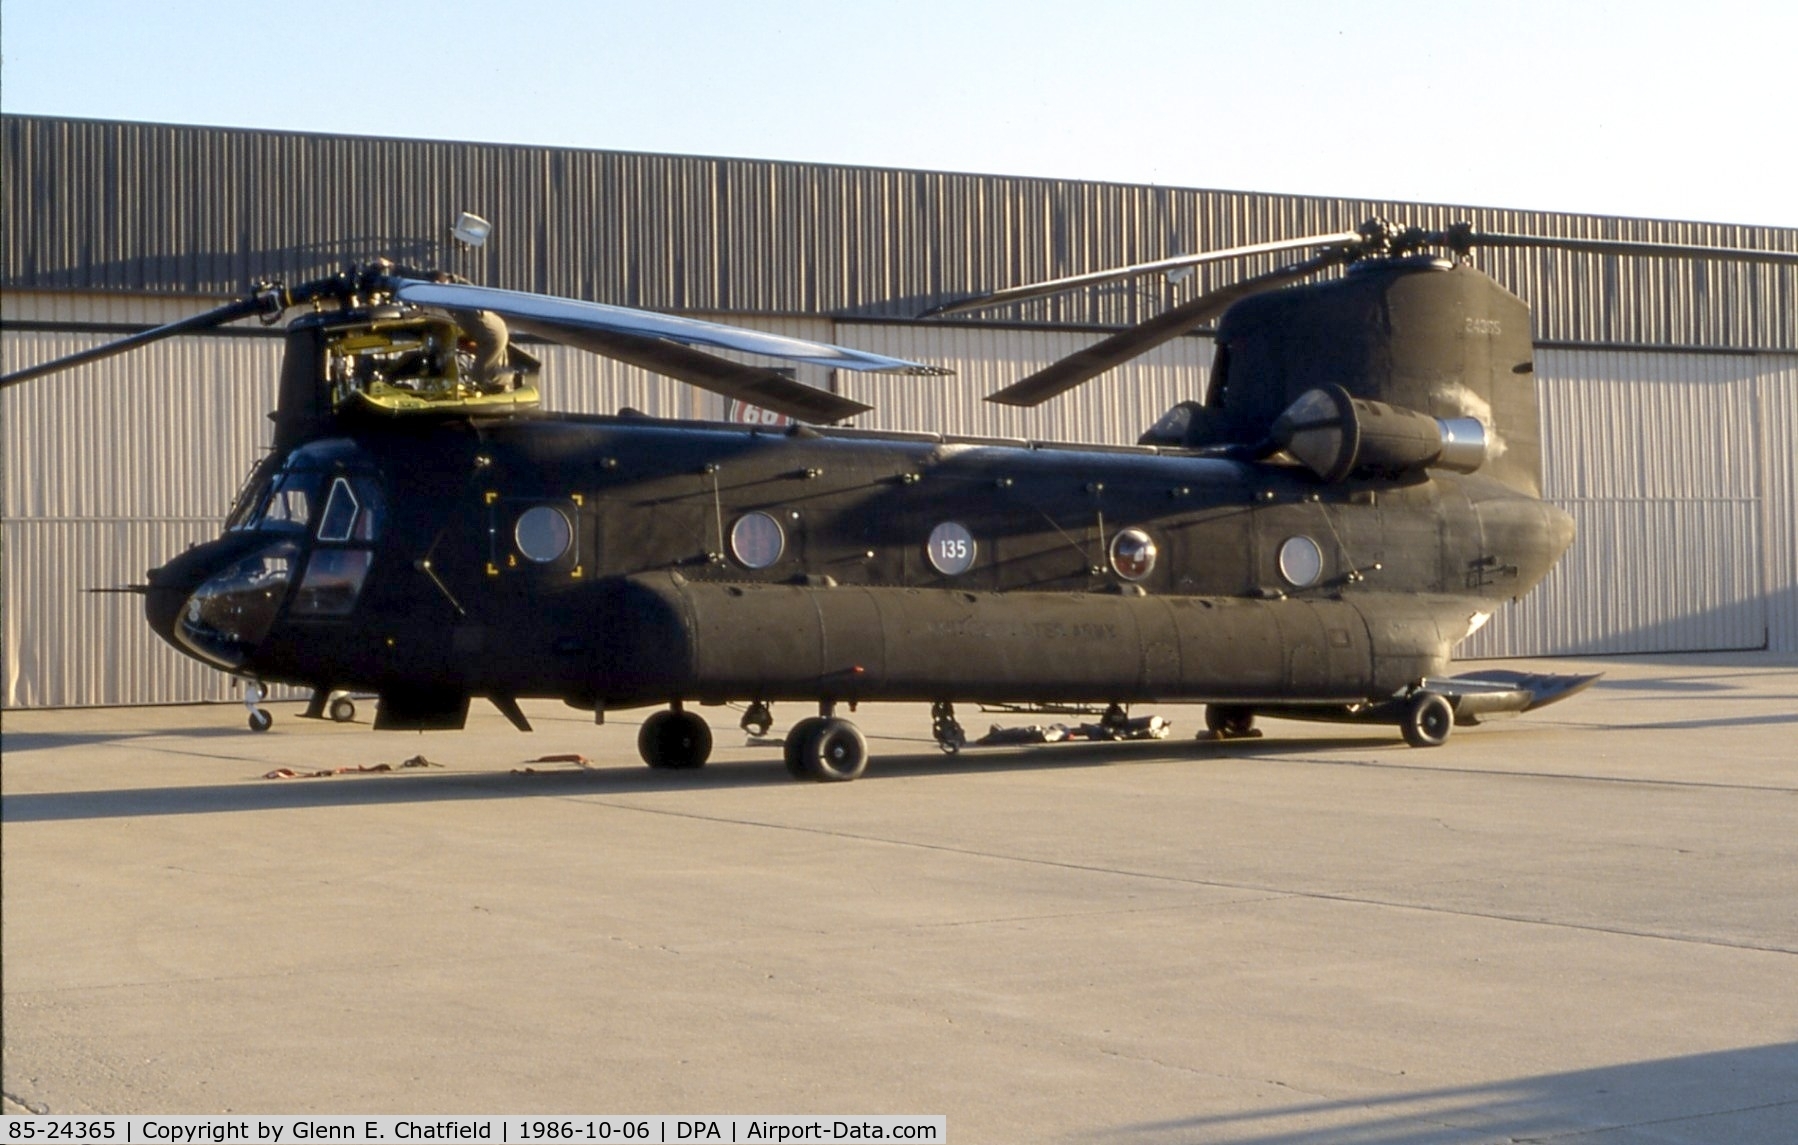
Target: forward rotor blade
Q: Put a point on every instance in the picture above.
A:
(753, 384)
(570, 314)
(1031, 291)
(1456, 238)
(261, 303)
(1114, 351)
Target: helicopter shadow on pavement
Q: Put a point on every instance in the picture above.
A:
(526, 781)
(1747, 1096)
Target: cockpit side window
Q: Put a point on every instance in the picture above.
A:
(333, 582)
(348, 525)
(338, 521)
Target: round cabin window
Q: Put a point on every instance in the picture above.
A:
(950, 548)
(757, 540)
(544, 534)
(1301, 561)
(1133, 554)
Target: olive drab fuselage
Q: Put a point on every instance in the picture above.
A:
(623, 561)
(601, 561)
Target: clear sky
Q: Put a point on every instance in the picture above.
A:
(1660, 108)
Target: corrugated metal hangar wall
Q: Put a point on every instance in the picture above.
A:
(1670, 388)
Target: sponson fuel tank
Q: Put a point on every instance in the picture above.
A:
(859, 642)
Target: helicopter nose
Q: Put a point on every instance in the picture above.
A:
(162, 604)
(218, 601)
(171, 584)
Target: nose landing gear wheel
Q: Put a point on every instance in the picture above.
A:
(1428, 720)
(828, 750)
(253, 695)
(343, 709)
(677, 741)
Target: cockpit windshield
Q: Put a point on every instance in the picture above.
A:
(336, 506)
(283, 506)
(289, 506)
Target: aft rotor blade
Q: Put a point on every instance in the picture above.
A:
(756, 385)
(262, 303)
(1031, 291)
(571, 314)
(1470, 238)
(1114, 351)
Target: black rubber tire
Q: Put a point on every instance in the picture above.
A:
(794, 749)
(261, 721)
(343, 709)
(675, 741)
(1229, 721)
(1428, 720)
(834, 752)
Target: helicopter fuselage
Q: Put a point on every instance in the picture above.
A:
(618, 561)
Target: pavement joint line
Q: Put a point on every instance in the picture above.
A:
(1220, 884)
(1241, 1079)
(1172, 907)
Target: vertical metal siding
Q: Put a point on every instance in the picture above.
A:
(1645, 576)
(117, 206)
(1777, 416)
(87, 309)
(1658, 457)
(65, 646)
(167, 432)
(107, 471)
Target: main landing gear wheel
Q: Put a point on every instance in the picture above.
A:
(674, 740)
(826, 749)
(1428, 720)
(1229, 721)
(797, 735)
(343, 709)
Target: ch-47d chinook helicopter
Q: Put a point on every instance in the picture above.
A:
(1359, 491)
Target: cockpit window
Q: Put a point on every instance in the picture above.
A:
(248, 508)
(341, 509)
(333, 582)
(288, 507)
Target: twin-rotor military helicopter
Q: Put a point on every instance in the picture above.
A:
(1359, 491)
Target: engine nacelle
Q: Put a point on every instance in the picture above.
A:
(1337, 436)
